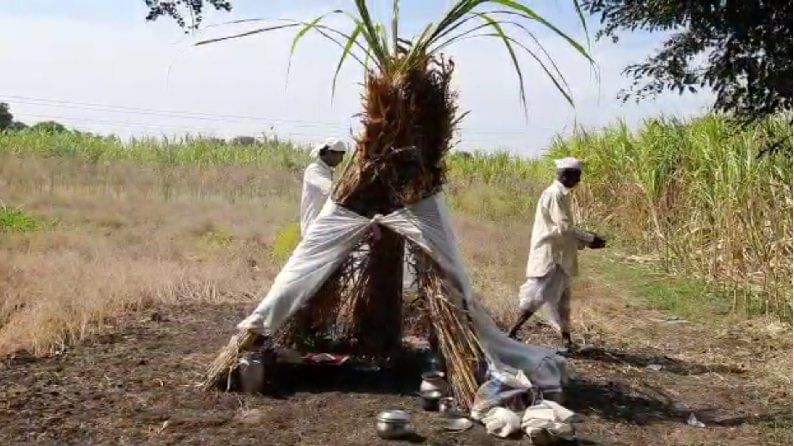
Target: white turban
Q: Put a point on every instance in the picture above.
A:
(332, 144)
(569, 163)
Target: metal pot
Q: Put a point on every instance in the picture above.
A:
(447, 406)
(252, 372)
(430, 400)
(433, 363)
(394, 424)
(433, 381)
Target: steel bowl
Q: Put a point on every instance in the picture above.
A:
(394, 424)
(459, 424)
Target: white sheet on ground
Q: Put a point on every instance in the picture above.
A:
(550, 417)
(501, 422)
(336, 232)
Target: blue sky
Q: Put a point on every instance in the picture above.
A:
(63, 59)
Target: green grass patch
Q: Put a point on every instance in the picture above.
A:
(679, 295)
(213, 237)
(194, 151)
(16, 220)
(285, 242)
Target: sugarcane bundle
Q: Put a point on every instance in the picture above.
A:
(409, 119)
(222, 367)
(408, 125)
(453, 331)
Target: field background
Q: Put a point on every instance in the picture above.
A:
(93, 230)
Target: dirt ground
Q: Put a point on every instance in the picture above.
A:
(136, 385)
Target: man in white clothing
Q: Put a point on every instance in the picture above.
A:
(553, 252)
(318, 179)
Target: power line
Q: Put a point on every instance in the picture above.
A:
(126, 124)
(116, 123)
(188, 129)
(152, 112)
(199, 131)
(89, 106)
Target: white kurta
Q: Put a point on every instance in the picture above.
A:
(318, 179)
(552, 257)
(555, 238)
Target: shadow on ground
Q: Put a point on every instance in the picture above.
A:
(644, 404)
(668, 364)
(402, 379)
(616, 401)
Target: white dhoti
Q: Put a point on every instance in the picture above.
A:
(553, 293)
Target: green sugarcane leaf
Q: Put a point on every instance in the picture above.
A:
(302, 32)
(500, 32)
(532, 15)
(348, 46)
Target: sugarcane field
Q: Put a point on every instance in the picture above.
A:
(358, 222)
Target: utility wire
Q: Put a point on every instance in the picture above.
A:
(125, 124)
(89, 106)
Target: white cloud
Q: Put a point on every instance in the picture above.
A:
(135, 64)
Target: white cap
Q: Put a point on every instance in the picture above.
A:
(332, 144)
(336, 145)
(569, 163)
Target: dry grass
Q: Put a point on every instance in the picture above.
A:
(121, 236)
(496, 256)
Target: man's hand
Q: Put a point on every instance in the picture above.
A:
(597, 243)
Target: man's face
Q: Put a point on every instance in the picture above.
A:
(569, 177)
(332, 158)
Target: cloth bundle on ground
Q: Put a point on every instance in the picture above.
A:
(504, 410)
(337, 231)
(546, 419)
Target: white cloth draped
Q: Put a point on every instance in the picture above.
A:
(337, 231)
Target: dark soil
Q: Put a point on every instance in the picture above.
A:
(137, 385)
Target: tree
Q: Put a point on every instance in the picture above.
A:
(6, 118)
(49, 127)
(244, 140)
(177, 9)
(17, 125)
(740, 49)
